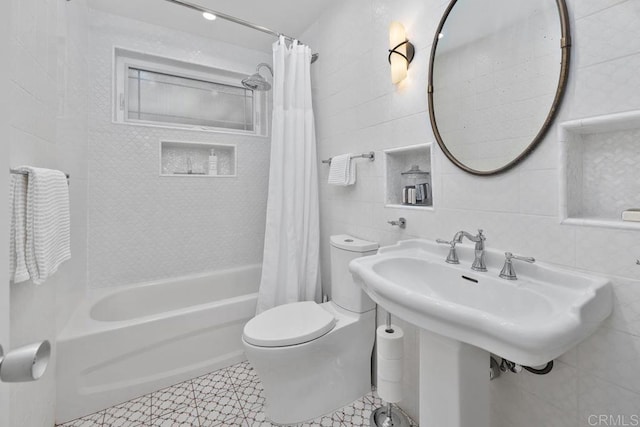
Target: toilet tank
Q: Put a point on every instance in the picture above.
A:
(345, 292)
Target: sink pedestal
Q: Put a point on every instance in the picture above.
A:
(454, 383)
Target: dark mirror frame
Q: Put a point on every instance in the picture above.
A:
(565, 45)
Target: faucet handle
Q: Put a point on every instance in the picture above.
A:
(509, 255)
(452, 257)
(508, 272)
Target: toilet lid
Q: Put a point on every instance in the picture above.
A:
(288, 324)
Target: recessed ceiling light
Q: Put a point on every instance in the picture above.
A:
(209, 16)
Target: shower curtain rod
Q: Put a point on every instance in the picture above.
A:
(235, 20)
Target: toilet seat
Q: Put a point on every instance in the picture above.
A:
(289, 324)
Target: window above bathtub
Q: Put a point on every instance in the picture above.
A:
(155, 91)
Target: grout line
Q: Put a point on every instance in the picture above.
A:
(235, 394)
(196, 403)
(601, 10)
(237, 397)
(609, 60)
(151, 411)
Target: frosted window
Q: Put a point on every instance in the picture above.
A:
(166, 98)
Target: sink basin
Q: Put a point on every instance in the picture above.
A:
(530, 321)
(460, 289)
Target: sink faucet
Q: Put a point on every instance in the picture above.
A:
(478, 262)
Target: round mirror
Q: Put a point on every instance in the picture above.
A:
(497, 73)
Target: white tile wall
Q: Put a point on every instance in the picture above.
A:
(5, 108)
(48, 121)
(71, 139)
(143, 226)
(358, 109)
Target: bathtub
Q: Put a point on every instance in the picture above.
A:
(128, 341)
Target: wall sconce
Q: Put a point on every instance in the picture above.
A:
(401, 52)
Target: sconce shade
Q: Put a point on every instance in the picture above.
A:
(401, 52)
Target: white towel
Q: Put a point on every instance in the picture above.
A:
(342, 171)
(40, 226)
(18, 233)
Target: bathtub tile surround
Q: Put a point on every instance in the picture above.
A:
(168, 227)
(228, 397)
(358, 109)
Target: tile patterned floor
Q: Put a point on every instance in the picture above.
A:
(229, 397)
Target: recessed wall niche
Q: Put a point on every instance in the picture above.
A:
(600, 157)
(193, 159)
(408, 179)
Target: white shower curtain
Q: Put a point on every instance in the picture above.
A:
(290, 266)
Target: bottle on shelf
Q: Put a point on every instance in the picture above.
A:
(213, 163)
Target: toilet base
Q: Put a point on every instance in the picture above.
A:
(304, 381)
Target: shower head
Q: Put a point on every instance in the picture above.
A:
(256, 81)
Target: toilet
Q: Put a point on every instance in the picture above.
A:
(315, 358)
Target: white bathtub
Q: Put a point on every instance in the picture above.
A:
(131, 340)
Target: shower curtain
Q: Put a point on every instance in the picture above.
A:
(290, 266)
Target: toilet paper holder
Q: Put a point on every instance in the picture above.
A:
(388, 416)
(26, 363)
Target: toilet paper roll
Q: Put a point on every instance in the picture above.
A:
(390, 370)
(390, 344)
(26, 363)
(390, 391)
(390, 354)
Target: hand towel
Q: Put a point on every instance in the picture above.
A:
(18, 233)
(352, 172)
(341, 171)
(46, 224)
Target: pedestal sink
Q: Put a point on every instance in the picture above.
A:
(464, 315)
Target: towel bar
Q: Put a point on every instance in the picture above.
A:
(19, 172)
(370, 155)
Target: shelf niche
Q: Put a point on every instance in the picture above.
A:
(177, 158)
(599, 170)
(403, 159)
